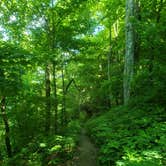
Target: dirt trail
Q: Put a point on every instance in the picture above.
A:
(87, 150)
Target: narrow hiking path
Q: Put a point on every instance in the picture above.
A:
(87, 151)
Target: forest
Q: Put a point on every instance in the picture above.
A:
(82, 82)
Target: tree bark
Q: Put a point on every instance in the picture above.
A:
(7, 129)
(48, 102)
(129, 55)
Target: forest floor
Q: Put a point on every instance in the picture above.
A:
(87, 152)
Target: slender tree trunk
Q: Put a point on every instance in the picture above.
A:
(137, 13)
(63, 116)
(48, 102)
(108, 67)
(129, 55)
(52, 48)
(115, 26)
(7, 129)
(56, 99)
(158, 11)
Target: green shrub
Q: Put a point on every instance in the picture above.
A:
(129, 137)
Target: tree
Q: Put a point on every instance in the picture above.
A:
(12, 64)
(7, 128)
(129, 55)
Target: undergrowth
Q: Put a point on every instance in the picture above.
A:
(52, 150)
(130, 137)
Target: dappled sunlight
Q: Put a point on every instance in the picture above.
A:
(82, 83)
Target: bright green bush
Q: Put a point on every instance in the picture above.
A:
(52, 150)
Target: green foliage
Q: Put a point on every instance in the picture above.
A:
(129, 139)
(77, 36)
(73, 127)
(48, 151)
(146, 158)
(25, 125)
(14, 61)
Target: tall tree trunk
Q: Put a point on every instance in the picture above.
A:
(48, 102)
(63, 118)
(129, 55)
(55, 98)
(52, 48)
(108, 67)
(7, 129)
